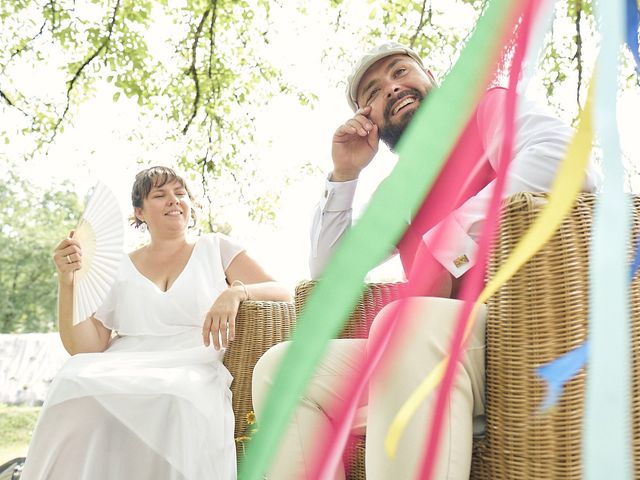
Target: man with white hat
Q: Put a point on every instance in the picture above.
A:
(385, 89)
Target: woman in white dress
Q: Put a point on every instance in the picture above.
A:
(145, 394)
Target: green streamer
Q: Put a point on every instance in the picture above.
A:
(423, 149)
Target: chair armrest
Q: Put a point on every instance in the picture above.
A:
(374, 297)
(259, 326)
(539, 314)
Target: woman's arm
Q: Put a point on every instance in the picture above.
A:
(89, 335)
(248, 282)
(259, 285)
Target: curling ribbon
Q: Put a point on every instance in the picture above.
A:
(472, 285)
(607, 439)
(328, 454)
(329, 450)
(368, 242)
(559, 371)
(565, 188)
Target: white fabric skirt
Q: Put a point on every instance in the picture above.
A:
(148, 407)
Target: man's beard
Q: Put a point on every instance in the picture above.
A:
(391, 132)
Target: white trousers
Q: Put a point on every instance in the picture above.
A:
(424, 343)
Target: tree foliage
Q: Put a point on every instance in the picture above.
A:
(199, 69)
(33, 221)
(438, 31)
(197, 65)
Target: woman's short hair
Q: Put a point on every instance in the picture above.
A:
(155, 177)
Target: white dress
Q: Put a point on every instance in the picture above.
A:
(156, 404)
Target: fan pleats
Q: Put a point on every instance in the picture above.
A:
(101, 237)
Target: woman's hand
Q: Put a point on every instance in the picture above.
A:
(68, 258)
(220, 322)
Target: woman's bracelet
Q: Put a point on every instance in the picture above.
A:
(238, 282)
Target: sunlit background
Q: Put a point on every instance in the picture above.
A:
(241, 96)
(109, 137)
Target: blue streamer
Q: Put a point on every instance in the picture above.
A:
(636, 262)
(559, 371)
(633, 19)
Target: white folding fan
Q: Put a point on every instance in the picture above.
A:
(100, 233)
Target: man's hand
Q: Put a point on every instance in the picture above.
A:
(355, 143)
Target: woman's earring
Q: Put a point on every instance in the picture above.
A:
(143, 227)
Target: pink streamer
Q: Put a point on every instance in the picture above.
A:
(473, 284)
(451, 180)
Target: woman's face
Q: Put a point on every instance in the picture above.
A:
(166, 208)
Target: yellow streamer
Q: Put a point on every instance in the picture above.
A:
(565, 188)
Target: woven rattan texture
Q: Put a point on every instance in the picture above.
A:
(375, 296)
(540, 314)
(259, 326)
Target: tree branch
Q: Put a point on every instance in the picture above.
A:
(420, 23)
(212, 35)
(193, 70)
(18, 51)
(337, 27)
(205, 188)
(52, 5)
(84, 65)
(578, 55)
(6, 98)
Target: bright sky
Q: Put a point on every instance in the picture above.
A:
(96, 146)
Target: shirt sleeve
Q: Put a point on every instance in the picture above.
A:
(107, 310)
(539, 147)
(229, 249)
(331, 219)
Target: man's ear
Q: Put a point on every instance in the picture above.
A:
(433, 79)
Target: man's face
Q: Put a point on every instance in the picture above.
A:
(394, 88)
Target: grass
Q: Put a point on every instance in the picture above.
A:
(16, 426)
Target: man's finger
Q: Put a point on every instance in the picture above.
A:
(366, 110)
(374, 138)
(364, 121)
(357, 127)
(344, 130)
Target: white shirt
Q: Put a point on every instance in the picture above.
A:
(539, 147)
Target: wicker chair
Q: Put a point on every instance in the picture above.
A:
(538, 315)
(259, 326)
